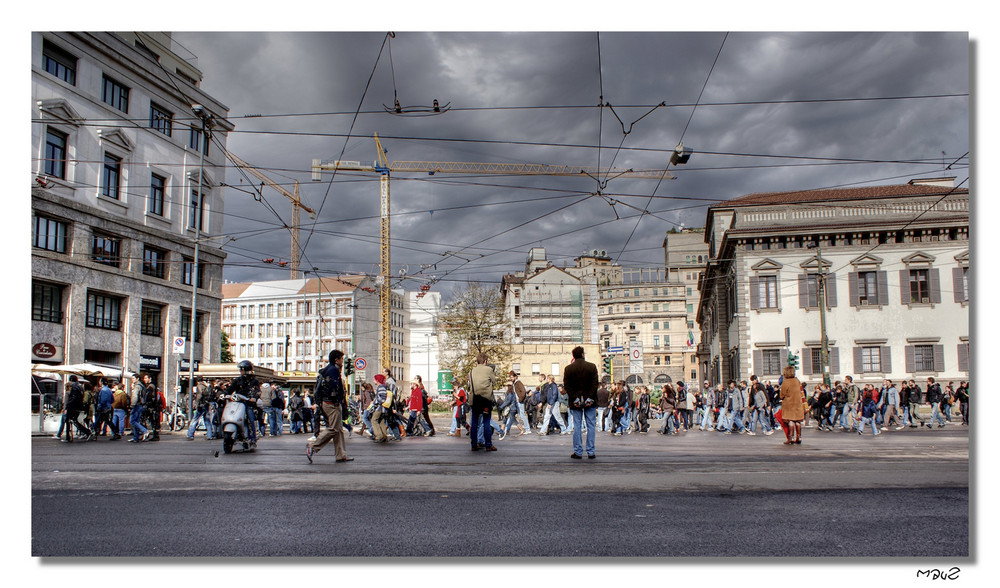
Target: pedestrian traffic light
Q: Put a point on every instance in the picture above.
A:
(793, 360)
(607, 364)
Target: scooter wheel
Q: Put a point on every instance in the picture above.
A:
(227, 442)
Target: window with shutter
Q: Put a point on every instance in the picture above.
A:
(960, 284)
(963, 357)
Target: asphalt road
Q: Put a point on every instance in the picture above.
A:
(698, 494)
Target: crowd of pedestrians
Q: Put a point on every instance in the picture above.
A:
(382, 413)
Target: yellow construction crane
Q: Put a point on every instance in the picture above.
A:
(296, 205)
(383, 168)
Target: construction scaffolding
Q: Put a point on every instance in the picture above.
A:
(552, 316)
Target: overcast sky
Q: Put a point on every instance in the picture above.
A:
(782, 111)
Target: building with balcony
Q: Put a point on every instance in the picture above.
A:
(117, 191)
(895, 263)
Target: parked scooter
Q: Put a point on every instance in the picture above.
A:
(235, 423)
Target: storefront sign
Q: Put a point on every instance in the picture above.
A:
(149, 363)
(186, 365)
(46, 352)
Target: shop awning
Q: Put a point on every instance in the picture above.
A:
(228, 371)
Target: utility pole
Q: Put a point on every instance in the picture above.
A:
(824, 353)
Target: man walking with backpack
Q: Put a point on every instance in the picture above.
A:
(331, 398)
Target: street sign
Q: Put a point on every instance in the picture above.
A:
(618, 349)
(635, 357)
(360, 363)
(179, 344)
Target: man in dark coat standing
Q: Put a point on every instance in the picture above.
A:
(580, 380)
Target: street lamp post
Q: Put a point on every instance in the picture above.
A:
(206, 119)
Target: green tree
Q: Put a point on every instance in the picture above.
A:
(474, 322)
(224, 355)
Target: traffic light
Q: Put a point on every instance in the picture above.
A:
(348, 365)
(607, 364)
(793, 360)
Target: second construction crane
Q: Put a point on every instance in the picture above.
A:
(296, 206)
(383, 168)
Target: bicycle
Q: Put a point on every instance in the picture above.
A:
(176, 418)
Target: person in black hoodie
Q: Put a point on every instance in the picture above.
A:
(934, 399)
(76, 410)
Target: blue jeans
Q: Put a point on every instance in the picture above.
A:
(737, 417)
(136, 418)
(550, 412)
(936, 414)
(523, 415)
(670, 424)
(724, 423)
(590, 414)
(848, 410)
(203, 415)
(481, 421)
(275, 421)
(864, 422)
(600, 419)
(759, 416)
(119, 420)
(569, 424)
(366, 418)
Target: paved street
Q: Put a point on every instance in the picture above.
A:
(694, 494)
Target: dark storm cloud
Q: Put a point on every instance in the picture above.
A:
(308, 73)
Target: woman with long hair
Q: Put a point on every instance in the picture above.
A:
(792, 405)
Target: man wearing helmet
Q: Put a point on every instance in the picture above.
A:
(247, 385)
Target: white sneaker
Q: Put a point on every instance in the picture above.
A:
(751, 433)
(885, 429)
(771, 432)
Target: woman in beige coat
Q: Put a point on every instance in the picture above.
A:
(792, 408)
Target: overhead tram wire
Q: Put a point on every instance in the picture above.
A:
(679, 141)
(569, 107)
(350, 132)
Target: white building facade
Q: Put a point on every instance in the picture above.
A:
(289, 325)
(896, 266)
(116, 192)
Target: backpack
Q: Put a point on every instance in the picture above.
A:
(278, 400)
(324, 389)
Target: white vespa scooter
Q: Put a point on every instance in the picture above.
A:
(234, 424)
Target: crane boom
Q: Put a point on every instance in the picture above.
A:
(508, 169)
(383, 168)
(296, 206)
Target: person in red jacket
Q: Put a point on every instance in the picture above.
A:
(458, 410)
(416, 406)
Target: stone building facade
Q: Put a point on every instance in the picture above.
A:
(116, 173)
(895, 263)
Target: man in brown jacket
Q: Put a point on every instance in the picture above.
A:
(521, 393)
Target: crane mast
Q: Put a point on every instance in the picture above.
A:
(383, 168)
